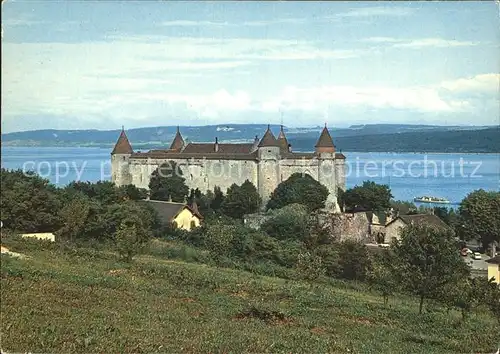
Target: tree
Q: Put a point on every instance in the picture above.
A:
(217, 200)
(479, 219)
(448, 215)
(241, 200)
(369, 196)
(131, 192)
(103, 191)
(167, 183)
(74, 215)
(131, 237)
(28, 203)
(383, 275)
(288, 223)
(301, 189)
(403, 207)
(429, 260)
(116, 214)
(468, 294)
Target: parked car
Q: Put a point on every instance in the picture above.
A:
(476, 256)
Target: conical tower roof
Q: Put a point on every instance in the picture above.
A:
(282, 140)
(178, 143)
(325, 140)
(122, 146)
(268, 139)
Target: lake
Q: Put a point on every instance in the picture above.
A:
(450, 176)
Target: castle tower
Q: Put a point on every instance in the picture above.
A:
(120, 172)
(283, 142)
(178, 142)
(325, 152)
(268, 167)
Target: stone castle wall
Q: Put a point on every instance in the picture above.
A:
(199, 173)
(206, 174)
(346, 226)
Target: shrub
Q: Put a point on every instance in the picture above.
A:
(131, 237)
(288, 223)
(310, 266)
(354, 260)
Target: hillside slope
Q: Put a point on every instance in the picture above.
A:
(82, 300)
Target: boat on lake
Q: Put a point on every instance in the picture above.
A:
(433, 200)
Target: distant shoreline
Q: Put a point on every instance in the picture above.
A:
(346, 152)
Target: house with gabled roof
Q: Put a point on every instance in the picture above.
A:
(393, 228)
(265, 162)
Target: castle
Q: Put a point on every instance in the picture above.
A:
(265, 162)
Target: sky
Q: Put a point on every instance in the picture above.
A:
(101, 65)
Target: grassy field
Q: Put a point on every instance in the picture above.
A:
(85, 301)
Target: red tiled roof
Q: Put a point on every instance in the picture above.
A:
(325, 139)
(209, 148)
(178, 142)
(422, 219)
(282, 141)
(122, 145)
(268, 139)
(183, 155)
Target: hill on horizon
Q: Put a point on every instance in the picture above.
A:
(370, 137)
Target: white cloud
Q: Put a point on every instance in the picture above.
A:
(363, 12)
(189, 23)
(434, 42)
(483, 83)
(378, 11)
(419, 43)
(423, 99)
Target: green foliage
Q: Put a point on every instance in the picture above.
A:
(217, 200)
(310, 266)
(131, 237)
(116, 214)
(448, 215)
(369, 196)
(288, 223)
(479, 219)
(468, 294)
(131, 192)
(241, 200)
(354, 260)
(28, 203)
(429, 259)
(384, 275)
(299, 189)
(168, 183)
(403, 207)
(74, 215)
(103, 191)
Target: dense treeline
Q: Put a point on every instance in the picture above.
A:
(290, 244)
(455, 141)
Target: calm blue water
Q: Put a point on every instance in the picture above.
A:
(451, 176)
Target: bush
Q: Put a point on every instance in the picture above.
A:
(354, 260)
(310, 266)
(131, 237)
(288, 223)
